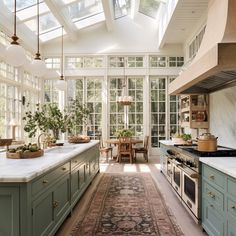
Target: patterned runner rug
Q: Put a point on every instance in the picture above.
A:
(125, 205)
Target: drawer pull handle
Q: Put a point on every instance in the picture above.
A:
(63, 168)
(55, 204)
(211, 194)
(45, 181)
(75, 161)
(212, 177)
(211, 205)
(233, 207)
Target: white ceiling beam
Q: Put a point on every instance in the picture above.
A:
(60, 12)
(108, 11)
(134, 8)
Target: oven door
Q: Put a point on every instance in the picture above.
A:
(169, 169)
(177, 178)
(190, 190)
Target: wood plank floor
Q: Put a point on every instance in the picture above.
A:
(185, 221)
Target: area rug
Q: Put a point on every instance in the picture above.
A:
(125, 205)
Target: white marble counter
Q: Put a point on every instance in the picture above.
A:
(24, 170)
(167, 142)
(226, 165)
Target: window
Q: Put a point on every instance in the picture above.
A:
(176, 61)
(84, 62)
(53, 63)
(121, 8)
(88, 90)
(116, 61)
(74, 62)
(135, 62)
(149, 7)
(132, 61)
(51, 95)
(195, 44)
(157, 61)
(126, 116)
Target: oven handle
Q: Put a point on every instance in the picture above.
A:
(191, 173)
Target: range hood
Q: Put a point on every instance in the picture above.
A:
(214, 66)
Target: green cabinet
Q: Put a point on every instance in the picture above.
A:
(10, 211)
(39, 207)
(218, 202)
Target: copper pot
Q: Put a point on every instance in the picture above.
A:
(207, 143)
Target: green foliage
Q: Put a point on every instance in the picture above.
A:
(124, 133)
(186, 137)
(49, 117)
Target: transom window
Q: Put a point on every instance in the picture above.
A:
(53, 63)
(84, 62)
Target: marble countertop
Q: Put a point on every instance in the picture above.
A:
(24, 170)
(226, 165)
(167, 142)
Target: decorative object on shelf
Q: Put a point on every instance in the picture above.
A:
(79, 139)
(15, 54)
(124, 99)
(61, 84)
(38, 66)
(48, 117)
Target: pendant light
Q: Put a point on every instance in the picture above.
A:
(61, 84)
(38, 67)
(124, 99)
(15, 54)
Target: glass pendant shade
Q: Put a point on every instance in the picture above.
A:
(38, 67)
(15, 55)
(61, 85)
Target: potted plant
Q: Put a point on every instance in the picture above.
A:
(48, 117)
(124, 133)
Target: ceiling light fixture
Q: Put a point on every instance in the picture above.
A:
(61, 84)
(38, 66)
(15, 54)
(124, 99)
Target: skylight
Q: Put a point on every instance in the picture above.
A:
(121, 8)
(149, 7)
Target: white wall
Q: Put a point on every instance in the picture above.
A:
(223, 116)
(128, 35)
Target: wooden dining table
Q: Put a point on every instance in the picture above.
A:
(116, 142)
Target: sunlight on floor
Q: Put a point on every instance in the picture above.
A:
(158, 166)
(130, 168)
(144, 168)
(104, 167)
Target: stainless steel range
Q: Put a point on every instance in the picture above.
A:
(182, 168)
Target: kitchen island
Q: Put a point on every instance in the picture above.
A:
(37, 194)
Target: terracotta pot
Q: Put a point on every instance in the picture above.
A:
(207, 143)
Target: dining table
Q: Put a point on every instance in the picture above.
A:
(115, 142)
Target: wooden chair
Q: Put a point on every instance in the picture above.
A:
(143, 150)
(104, 149)
(125, 149)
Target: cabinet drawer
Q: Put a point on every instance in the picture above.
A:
(214, 197)
(231, 206)
(49, 178)
(231, 186)
(213, 176)
(77, 160)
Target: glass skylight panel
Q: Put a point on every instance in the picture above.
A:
(20, 4)
(50, 34)
(84, 8)
(90, 20)
(121, 8)
(149, 7)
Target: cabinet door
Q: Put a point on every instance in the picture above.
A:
(61, 198)
(9, 211)
(212, 221)
(231, 229)
(43, 218)
(75, 184)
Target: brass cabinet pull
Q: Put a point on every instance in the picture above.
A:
(63, 168)
(233, 207)
(75, 161)
(45, 181)
(212, 177)
(211, 205)
(55, 204)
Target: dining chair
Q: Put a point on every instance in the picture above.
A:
(125, 149)
(143, 150)
(104, 150)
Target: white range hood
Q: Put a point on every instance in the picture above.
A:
(214, 66)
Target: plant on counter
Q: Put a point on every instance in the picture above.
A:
(124, 133)
(48, 117)
(186, 137)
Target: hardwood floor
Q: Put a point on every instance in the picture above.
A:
(185, 221)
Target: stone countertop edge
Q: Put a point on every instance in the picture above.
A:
(25, 170)
(226, 165)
